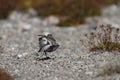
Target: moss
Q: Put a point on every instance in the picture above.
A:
(109, 47)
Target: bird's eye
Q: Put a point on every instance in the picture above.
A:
(44, 40)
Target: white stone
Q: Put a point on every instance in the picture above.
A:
(16, 71)
(22, 55)
(89, 73)
(32, 12)
(50, 21)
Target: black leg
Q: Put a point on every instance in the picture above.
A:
(39, 50)
(46, 58)
(45, 54)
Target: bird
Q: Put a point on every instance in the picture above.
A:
(47, 44)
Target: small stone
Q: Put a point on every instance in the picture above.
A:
(50, 21)
(19, 55)
(99, 51)
(32, 12)
(16, 71)
(62, 56)
(89, 73)
(26, 26)
(22, 55)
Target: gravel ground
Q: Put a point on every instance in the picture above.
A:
(71, 61)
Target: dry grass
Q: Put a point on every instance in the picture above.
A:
(4, 75)
(74, 11)
(105, 38)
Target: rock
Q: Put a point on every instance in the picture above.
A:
(32, 12)
(25, 26)
(110, 10)
(92, 23)
(22, 55)
(62, 55)
(35, 21)
(16, 71)
(14, 15)
(51, 21)
(89, 73)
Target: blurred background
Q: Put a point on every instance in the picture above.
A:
(68, 21)
(69, 12)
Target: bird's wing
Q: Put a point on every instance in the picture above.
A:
(52, 48)
(49, 36)
(40, 45)
(51, 40)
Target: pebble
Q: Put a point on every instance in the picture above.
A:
(70, 59)
(62, 55)
(22, 55)
(89, 73)
(50, 21)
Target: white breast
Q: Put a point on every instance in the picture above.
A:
(46, 47)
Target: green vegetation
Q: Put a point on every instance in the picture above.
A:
(74, 11)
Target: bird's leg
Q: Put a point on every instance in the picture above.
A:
(39, 57)
(41, 54)
(39, 51)
(46, 54)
